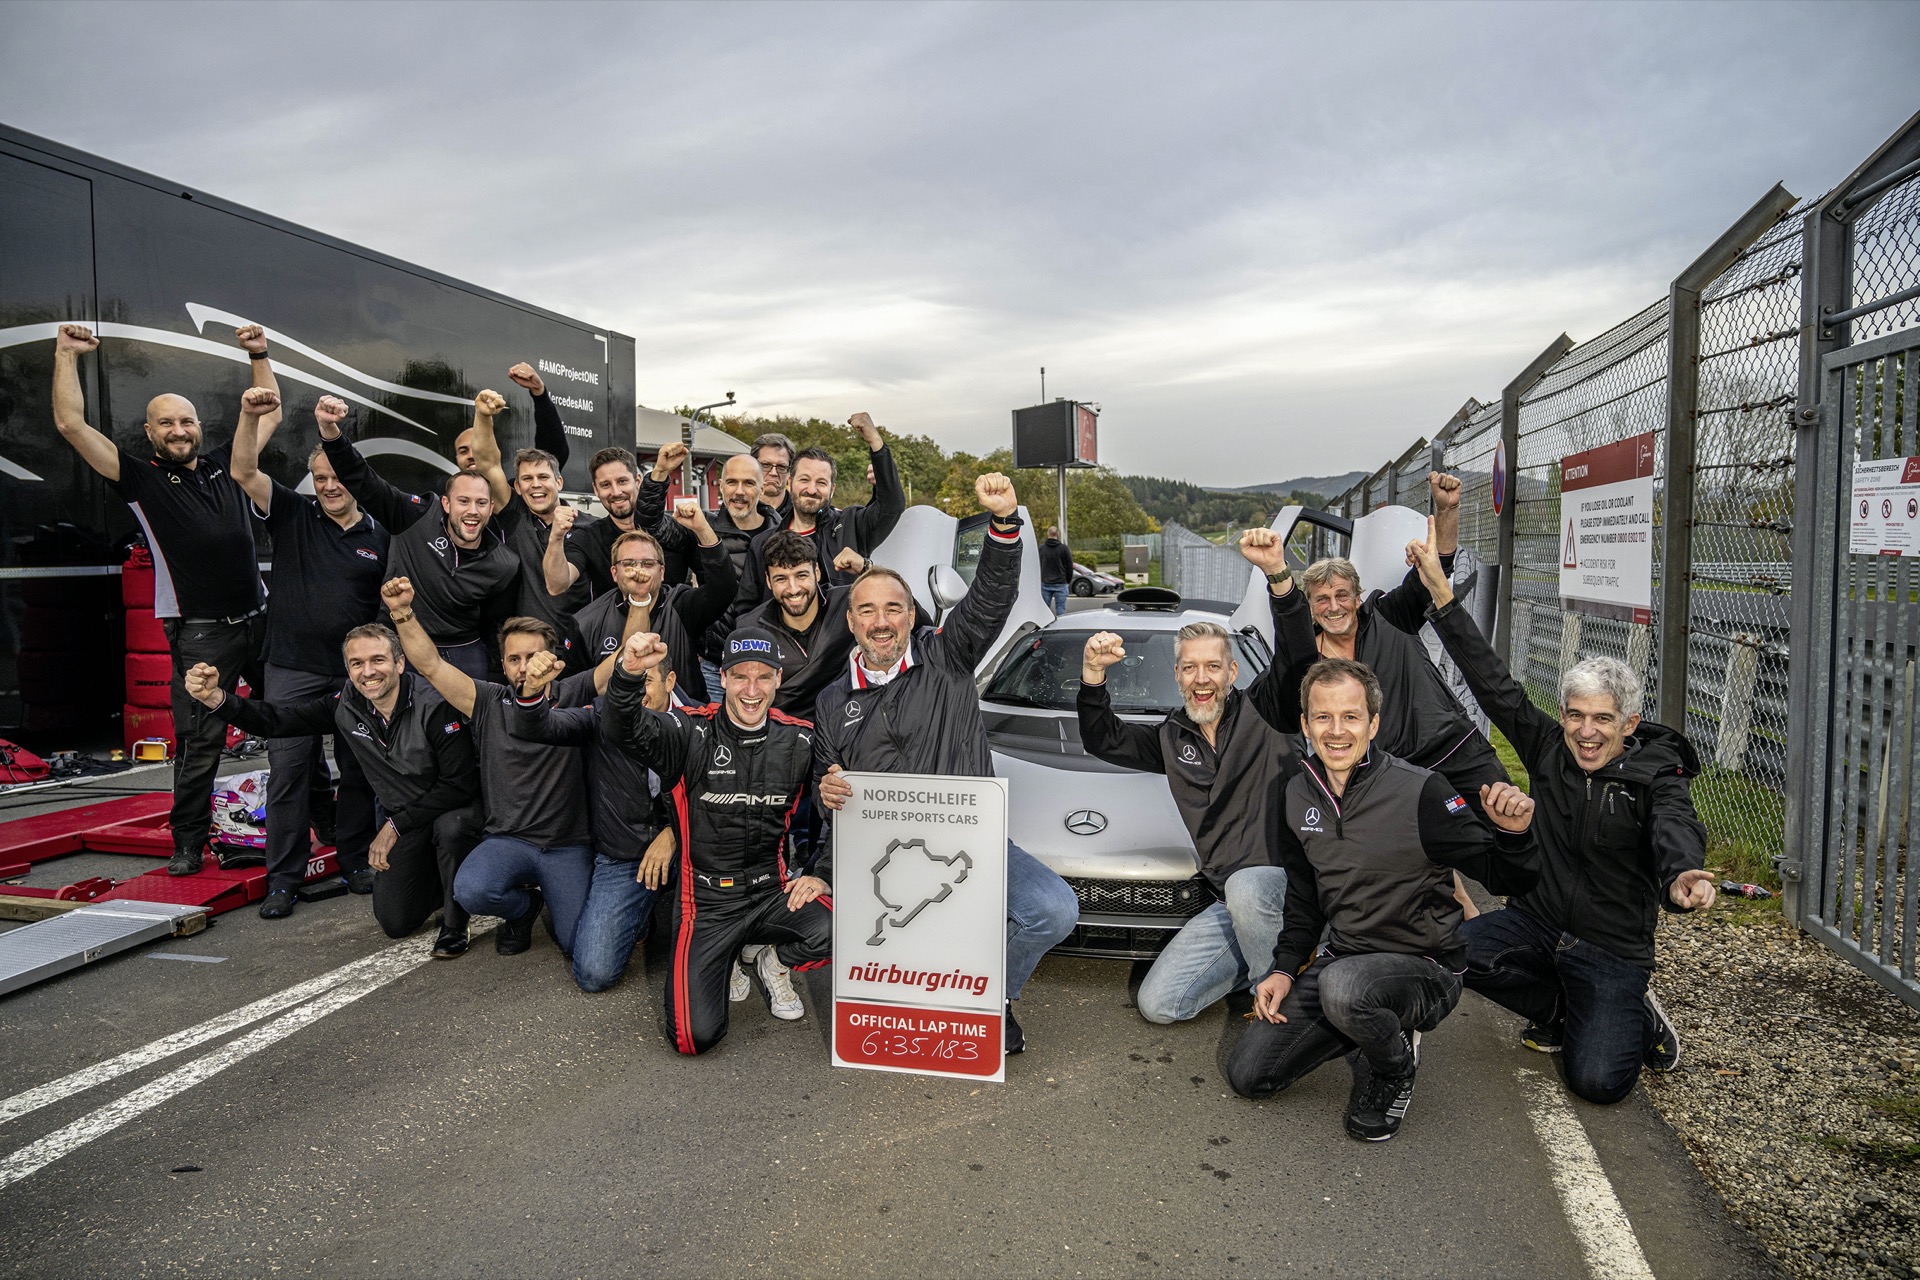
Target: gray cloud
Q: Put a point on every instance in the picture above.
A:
(1270, 240)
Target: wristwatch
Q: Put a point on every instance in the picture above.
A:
(1275, 579)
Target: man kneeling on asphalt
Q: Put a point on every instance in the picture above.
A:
(1617, 833)
(537, 848)
(909, 705)
(419, 759)
(1227, 768)
(1372, 952)
(737, 770)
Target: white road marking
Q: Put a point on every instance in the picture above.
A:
(181, 955)
(1599, 1223)
(366, 977)
(411, 951)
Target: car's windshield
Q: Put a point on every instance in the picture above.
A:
(1044, 671)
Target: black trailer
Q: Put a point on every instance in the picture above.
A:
(164, 274)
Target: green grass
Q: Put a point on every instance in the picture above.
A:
(1904, 1108)
(1511, 759)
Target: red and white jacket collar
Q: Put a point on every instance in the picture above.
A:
(865, 679)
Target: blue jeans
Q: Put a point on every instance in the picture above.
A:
(710, 672)
(1227, 947)
(1548, 976)
(493, 879)
(1055, 594)
(1041, 912)
(612, 922)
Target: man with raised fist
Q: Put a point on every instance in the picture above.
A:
(578, 555)
(329, 558)
(1226, 768)
(549, 431)
(921, 679)
(643, 601)
(207, 591)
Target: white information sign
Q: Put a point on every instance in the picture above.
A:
(1886, 508)
(920, 925)
(1606, 530)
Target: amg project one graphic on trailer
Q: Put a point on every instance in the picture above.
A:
(920, 925)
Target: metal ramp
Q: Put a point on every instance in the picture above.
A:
(35, 952)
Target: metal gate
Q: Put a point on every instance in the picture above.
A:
(1853, 815)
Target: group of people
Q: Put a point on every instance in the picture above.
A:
(536, 714)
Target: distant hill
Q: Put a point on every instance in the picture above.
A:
(1199, 508)
(1325, 486)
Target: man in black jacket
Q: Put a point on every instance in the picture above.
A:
(909, 705)
(1227, 768)
(643, 601)
(810, 623)
(834, 530)
(1619, 840)
(737, 771)
(629, 813)
(1056, 571)
(1372, 950)
(418, 757)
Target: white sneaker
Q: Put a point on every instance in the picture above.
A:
(738, 985)
(778, 980)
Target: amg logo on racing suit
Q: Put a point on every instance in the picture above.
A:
(744, 797)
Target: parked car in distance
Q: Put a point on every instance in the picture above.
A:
(1091, 582)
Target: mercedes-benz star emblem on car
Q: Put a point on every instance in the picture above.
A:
(1086, 822)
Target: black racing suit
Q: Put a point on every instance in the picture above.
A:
(734, 795)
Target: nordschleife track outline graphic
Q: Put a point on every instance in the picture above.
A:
(962, 860)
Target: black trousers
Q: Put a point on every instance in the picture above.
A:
(418, 880)
(199, 736)
(710, 927)
(299, 781)
(1340, 1004)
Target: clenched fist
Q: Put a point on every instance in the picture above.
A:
(489, 404)
(396, 594)
(642, 653)
(688, 515)
(864, 425)
(1508, 807)
(671, 456)
(523, 374)
(542, 670)
(75, 338)
(251, 336)
(330, 413)
(850, 561)
(258, 402)
(1104, 648)
(563, 518)
(996, 494)
(1445, 490)
(1264, 550)
(202, 682)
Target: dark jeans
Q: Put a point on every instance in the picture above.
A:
(496, 875)
(471, 657)
(612, 922)
(1340, 1004)
(1543, 974)
(419, 877)
(298, 767)
(199, 736)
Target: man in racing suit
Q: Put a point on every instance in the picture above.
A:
(737, 771)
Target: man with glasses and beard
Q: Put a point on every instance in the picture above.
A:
(643, 602)
(207, 591)
(775, 454)
(1227, 769)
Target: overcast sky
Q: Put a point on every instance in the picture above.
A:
(1270, 240)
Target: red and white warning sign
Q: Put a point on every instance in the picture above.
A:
(920, 925)
(1886, 508)
(1606, 529)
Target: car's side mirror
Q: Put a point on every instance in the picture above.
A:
(946, 586)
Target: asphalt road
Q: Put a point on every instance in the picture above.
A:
(482, 1117)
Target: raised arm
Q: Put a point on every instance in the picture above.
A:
(1405, 606)
(253, 340)
(656, 739)
(70, 403)
(487, 406)
(1272, 692)
(260, 718)
(650, 503)
(709, 602)
(1105, 735)
(549, 432)
(392, 507)
(255, 404)
(973, 625)
(875, 520)
(455, 685)
(559, 572)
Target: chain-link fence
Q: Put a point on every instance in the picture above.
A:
(1199, 569)
(1739, 566)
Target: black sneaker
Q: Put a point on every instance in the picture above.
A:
(185, 862)
(277, 905)
(515, 936)
(1544, 1037)
(1016, 1038)
(450, 944)
(1382, 1104)
(360, 881)
(1663, 1047)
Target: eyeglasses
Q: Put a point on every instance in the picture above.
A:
(775, 468)
(631, 565)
